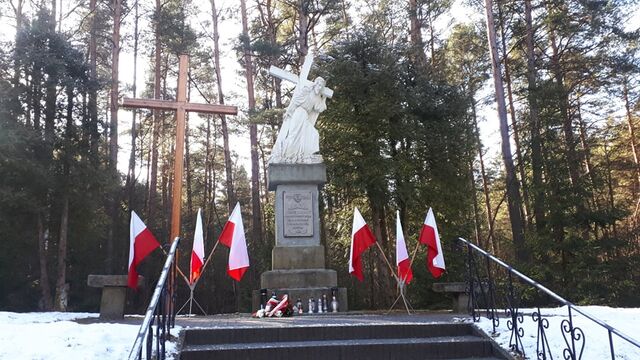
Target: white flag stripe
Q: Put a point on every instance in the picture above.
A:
(430, 221)
(136, 226)
(358, 223)
(198, 237)
(401, 246)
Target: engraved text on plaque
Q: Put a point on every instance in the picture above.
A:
(298, 213)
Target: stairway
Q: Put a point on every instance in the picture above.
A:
(340, 341)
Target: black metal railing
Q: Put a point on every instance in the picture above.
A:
(493, 284)
(161, 313)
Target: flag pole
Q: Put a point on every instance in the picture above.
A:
(393, 273)
(207, 261)
(177, 267)
(186, 279)
(413, 257)
(399, 281)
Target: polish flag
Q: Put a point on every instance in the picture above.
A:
(141, 243)
(429, 236)
(232, 236)
(402, 257)
(197, 254)
(361, 239)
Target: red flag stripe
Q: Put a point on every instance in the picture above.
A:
(196, 267)
(361, 239)
(233, 237)
(226, 237)
(429, 236)
(404, 270)
(143, 243)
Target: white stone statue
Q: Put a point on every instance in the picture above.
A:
(298, 140)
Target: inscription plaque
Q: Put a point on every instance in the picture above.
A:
(298, 213)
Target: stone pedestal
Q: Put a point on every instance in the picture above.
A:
(459, 295)
(298, 259)
(114, 291)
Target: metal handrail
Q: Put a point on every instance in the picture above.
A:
(570, 305)
(136, 350)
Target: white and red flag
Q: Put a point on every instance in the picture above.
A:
(141, 243)
(429, 236)
(402, 257)
(197, 253)
(232, 236)
(361, 239)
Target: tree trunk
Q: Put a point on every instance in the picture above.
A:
(153, 179)
(113, 134)
(45, 289)
(476, 215)
(632, 129)
(415, 34)
(303, 35)
(62, 288)
(536, 148)
(131, 174)
(514, 123)
(513, 191)
(485, 180)
(115, 60)
(231, 197)
(609, 179)
(253, 133)
(54, 11)
(567, 125)
(92, 126)
(18, 52)
(432, 38)
(384, 273)
(572, 158)
(584, 141)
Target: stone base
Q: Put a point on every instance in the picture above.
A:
(114, 292)
(297, 257)
(279, 174)
(112, 302)
(313, 278)
(304, 294)
(459, 295)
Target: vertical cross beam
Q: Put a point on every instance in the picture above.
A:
(178, 162)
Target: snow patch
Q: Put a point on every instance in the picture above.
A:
(596, 345)
(54, 336)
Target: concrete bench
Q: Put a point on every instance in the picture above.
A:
(459, 293)
(114, 292)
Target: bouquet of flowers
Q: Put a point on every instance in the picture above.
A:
(275, 307)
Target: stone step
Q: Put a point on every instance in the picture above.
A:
(213, 336)
(441, 347)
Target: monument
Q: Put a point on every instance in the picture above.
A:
(296, 172)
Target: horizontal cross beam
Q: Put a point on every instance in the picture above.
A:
(173, 105)
(285, 75)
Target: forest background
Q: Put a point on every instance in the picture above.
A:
(412, 82)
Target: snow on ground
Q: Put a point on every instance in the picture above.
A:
(596, 346)
(53, 336)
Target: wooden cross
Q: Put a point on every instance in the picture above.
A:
(180, 106)
(302, 79)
